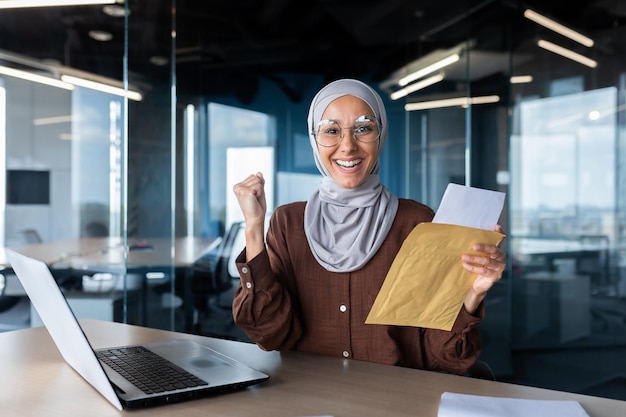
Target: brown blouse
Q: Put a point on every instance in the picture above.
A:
(286, 300)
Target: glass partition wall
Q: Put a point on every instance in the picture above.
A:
(89, 164)
(553, 141)
(566, 206)
(456, 133)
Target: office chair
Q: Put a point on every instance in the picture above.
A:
(225, 268)
(6, 301)
(214, 279)
(29, 236)
(13, 314)
(481, 370)
(96, 229)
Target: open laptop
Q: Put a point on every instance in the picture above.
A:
(211, 372)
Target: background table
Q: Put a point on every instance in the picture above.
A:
(108, 252)
(169, 256)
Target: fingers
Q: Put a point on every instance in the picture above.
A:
(493, 251)
(485, 277)
(483, 265)
(489, 255)
(499, 229)
(250, 194)
(490, 264)
(252, 184)
(483, 284)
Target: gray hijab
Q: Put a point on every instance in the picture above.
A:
(346, 227)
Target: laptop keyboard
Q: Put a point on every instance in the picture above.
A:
(148, 371)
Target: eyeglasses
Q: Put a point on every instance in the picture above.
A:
(329, 133)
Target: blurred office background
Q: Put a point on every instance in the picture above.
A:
(524, 97)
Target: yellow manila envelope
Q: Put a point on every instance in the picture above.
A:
(427, 284)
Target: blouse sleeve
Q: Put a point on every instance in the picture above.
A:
(453, 351)
(263, 306)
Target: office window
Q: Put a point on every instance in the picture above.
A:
(563, 211)
(232, 127)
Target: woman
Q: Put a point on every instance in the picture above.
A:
(311, 285)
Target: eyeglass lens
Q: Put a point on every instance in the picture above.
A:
(330, 132)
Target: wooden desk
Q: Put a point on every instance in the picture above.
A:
(300, 385)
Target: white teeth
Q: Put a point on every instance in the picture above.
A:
(348, 164)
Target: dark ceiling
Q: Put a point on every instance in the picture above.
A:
(225, 47)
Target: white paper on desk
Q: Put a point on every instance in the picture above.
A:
(470, 206)
(463, 405)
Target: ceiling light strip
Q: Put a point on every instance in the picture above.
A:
(105, 88)
(521, 79)
(28, 76)
(559, 50)
(416, 86)
(558, 28)
(451, 102)
(18, 4)
(52, 120)
(442, 63)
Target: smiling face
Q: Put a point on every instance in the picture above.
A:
(350, 161)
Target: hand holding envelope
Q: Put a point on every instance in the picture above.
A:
(426, 284)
